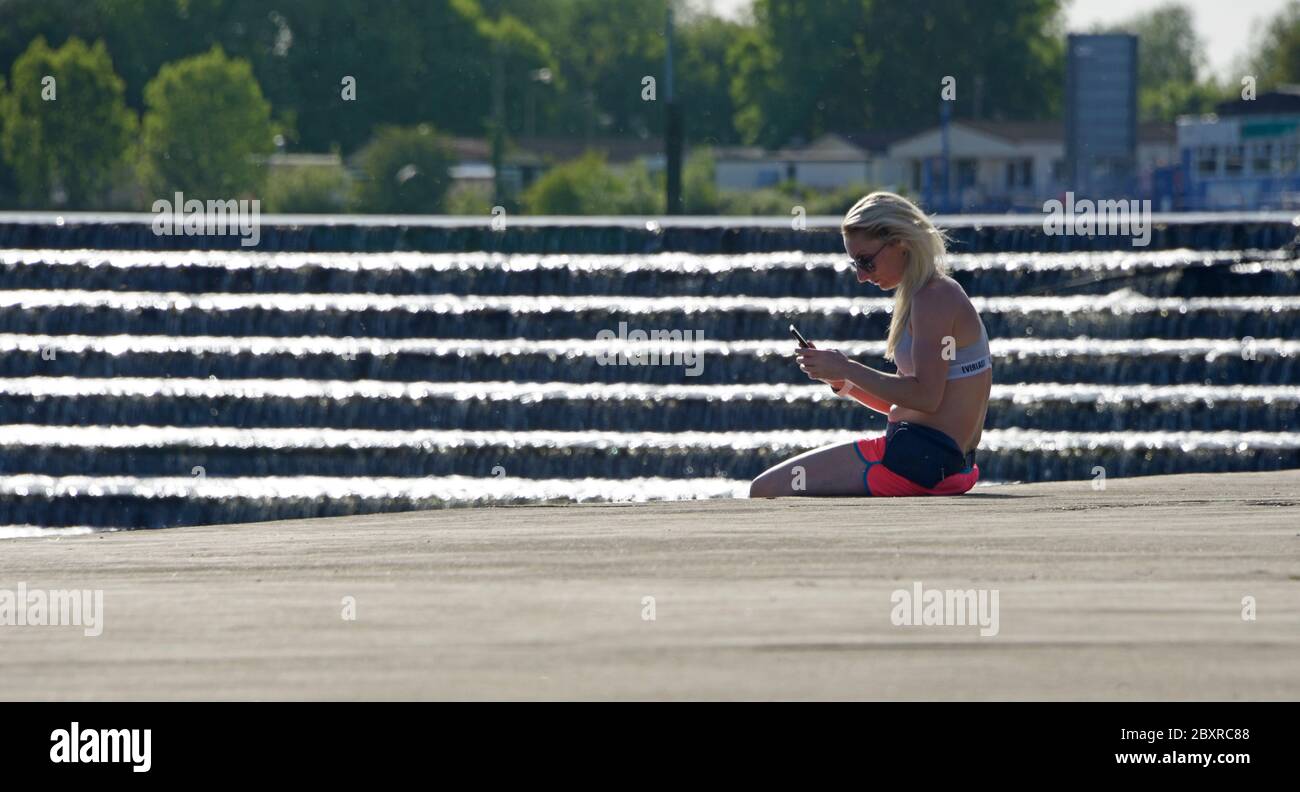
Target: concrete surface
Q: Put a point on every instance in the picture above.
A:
(1134, 592)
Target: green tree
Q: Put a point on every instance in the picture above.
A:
(604, 48)
(1277, 48)
(205, 125)
(699, 183)
(1007, 58)
(24, 21)
(469, 199)
(842, 65)
(588, 186)
(145, 35)
(8, 181)
(406, 171)
(1171, 63)
(1170, 50)
(66, 127)
(799, 71)
(1175, 99)
(519, 51)
(703, 81)
(319, 189)
(410, 62)
(765, 202)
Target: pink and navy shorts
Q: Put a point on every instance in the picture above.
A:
(911, 459)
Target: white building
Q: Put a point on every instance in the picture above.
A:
(1001, 165)
(1246, 156)
(829, 162)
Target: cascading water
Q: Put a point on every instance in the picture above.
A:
(337, 370)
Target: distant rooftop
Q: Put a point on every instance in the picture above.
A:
(1284, 100)
(281, 159)
(534, 151)
(827, 148)
(615, 150)
(874, 141)
(1054, 131)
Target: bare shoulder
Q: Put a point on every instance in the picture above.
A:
(942, 293)
(943, 307)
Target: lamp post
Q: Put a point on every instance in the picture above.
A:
(672, 128)
(542, 76)
(498, 122)
(945, 121)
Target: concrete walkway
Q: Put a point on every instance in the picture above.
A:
(1134, 592)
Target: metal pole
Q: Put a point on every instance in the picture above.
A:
(498, 123)
(672, 129)
(945, 115)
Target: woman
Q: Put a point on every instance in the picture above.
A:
(936, 402)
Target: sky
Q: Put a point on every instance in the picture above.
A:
(1225, 26)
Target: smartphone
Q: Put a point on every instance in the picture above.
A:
(803, 342)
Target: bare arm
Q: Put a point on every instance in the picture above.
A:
(862, 397)
(933, 313)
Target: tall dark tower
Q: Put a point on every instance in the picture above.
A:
(1101, 92)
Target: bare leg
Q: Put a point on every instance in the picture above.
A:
(834, 470)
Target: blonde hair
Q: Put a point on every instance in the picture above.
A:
(893, 218)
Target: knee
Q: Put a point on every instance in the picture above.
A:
(765, 487)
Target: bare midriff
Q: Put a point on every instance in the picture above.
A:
(960, 414)
(965, 401)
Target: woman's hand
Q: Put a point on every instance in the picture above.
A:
(827, 365)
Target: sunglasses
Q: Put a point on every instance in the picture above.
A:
(868, 263)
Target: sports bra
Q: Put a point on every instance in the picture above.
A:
(970, 360)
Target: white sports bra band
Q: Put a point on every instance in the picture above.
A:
(969, 361)
(959, 370)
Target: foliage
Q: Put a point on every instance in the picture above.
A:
(315, 189)
(66, 125)
(205, 126)
(807, 68)
(406, 170)
(1171, 63)
(1277, 48)
(588, 186)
